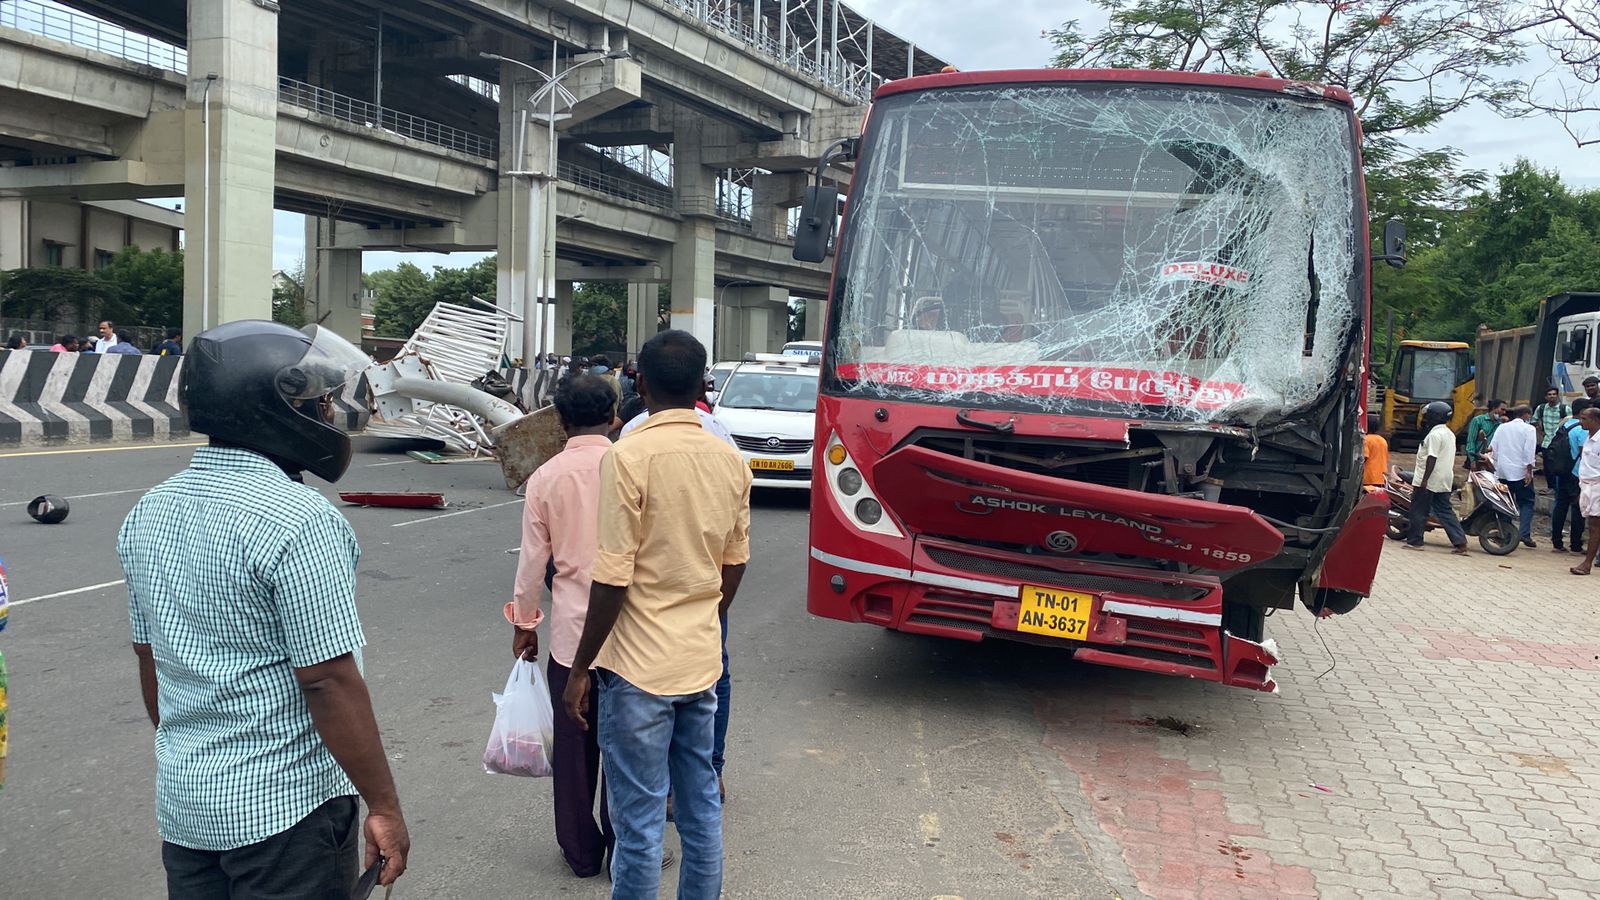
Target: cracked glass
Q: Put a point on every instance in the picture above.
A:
(1152, 251)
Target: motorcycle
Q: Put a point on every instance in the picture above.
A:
(1493, 518)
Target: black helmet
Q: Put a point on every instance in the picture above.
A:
(266, 387)
(49, 509)
(1436, 412)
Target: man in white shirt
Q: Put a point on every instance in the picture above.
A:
(1514, 444)
(108, 338)
(707, 421)
(1433, 479)
(1589, 486)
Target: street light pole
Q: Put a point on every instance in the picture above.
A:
(542, 204)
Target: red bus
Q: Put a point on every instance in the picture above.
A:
(1095, 366)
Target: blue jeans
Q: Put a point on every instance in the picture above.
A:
(724, 697)
(649, 744)
(1522, 492)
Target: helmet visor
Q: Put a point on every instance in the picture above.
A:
(330, 363)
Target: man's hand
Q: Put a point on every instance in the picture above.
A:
(387, 837)
(525, 644)
(577, 696)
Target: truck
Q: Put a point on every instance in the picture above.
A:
(1518, 364)
(1425, 371)
(1095, 363)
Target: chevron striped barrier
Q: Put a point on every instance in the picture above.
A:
(51, 398)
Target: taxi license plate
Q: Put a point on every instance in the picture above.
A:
(1055, 612)
(773, 465)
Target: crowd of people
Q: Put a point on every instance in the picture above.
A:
(106, 341)
(1514, 443)
(266, 736)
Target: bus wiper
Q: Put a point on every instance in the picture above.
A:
(964, 416)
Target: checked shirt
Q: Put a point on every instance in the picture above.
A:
(236, 577)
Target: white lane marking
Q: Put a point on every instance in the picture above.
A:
(398, 462)
(459, 512)
(81, 496)
(82, 590)
(100, 449)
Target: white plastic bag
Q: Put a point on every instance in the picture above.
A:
(524, 725)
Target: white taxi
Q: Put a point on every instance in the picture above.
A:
(769, 404)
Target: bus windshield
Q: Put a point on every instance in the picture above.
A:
(1173, 252)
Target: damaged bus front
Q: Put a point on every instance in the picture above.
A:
(1094, 366)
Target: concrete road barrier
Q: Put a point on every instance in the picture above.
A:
(72, 398)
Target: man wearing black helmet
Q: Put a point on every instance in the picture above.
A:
(241, 593)
(1433, 479)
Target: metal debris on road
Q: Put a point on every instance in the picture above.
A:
(395, 499)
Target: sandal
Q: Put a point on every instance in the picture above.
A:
(1577, 571)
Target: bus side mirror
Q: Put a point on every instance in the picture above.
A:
(818, 212)
(1394, 243)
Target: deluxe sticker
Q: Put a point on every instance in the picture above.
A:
(1206, 272)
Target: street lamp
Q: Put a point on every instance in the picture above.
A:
(552, 89)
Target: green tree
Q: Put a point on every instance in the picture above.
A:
(1569, 33)
(150, 282)
(54, 293)
(459, 286)
(797, 319)
(599, 317)
(403, 300)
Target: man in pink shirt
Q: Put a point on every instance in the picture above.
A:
(559, 522)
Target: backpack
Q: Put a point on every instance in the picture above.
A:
(1558, 456)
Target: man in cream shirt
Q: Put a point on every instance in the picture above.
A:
(674, 539)
(1434, 478)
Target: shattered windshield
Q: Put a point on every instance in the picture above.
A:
(1153, 251)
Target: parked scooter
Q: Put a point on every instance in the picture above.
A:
(1493, 518)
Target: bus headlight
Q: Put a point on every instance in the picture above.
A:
(849, 481)
(857, 504)
(869, 511)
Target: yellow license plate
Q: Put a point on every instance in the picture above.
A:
(773, 465)
(1054, 612)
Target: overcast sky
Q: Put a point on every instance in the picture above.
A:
(999, 34)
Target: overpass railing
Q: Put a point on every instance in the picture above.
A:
(614, 186)
(79, 30)
(843, 75)
(351, 109)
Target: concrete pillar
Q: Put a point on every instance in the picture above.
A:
(778, 325)
(332, 280)
(643, 315)
(771, 197)
(693, 278)
(561, 330)
(751, 320)
(816, 319)
(694, 253)
(230, 135)
(522, 212)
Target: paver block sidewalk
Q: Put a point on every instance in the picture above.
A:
(1446, 743)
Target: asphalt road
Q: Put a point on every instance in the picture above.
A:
(861, 763)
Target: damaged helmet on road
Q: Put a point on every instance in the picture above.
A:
(49, 509)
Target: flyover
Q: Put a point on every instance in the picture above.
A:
(682, 139)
